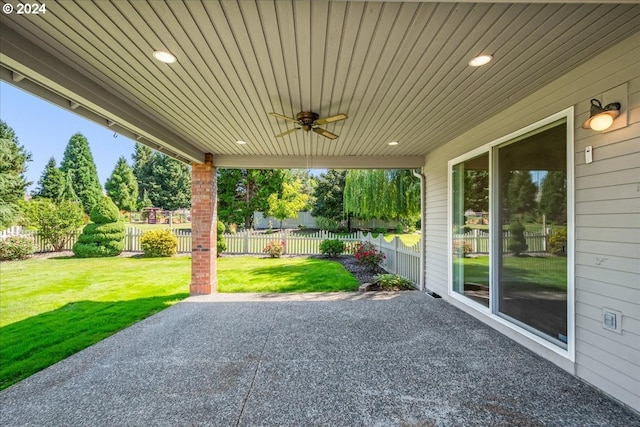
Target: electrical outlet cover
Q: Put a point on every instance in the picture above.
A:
(612, 320)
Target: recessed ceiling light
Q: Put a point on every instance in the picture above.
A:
(241, 142)
(393, 143)
(164, 56)
(480, 60)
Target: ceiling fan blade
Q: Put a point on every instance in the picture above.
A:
(325, 133)
(280, 116)
(287, 132)
(330, 119)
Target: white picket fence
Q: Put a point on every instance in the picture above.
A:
(479, 240)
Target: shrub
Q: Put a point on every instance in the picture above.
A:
(392, 282)
(57, 222)
(332, 248)
(558, 242)
(366, 254)
(159, 243)
(104, 212)
(221, 245)
(399, 228)
(274, 248)
(462, 248)
(105, 236)
(517, 241)
(16, 247)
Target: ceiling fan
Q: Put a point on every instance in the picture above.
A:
(310, 121)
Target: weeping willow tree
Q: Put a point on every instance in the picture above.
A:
(383, 193)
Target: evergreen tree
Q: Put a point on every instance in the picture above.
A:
(67, 192)
(122, 186)
(166, 182)
(287, 204)
(13, 165)
(51, 183)
(78, 160)
(521, 193)
(329, 194)
(171, 183)
(553, 197)
(143, 159)
(476, 190)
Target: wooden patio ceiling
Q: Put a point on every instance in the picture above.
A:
(398, 69)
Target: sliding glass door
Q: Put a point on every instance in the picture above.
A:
(509, 230)
(532, 197)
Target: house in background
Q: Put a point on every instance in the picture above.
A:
(401, 73)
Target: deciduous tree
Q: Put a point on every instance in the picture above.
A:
(241, 192)
(287, 204)
(383, 194)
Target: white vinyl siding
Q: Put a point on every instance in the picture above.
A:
(607, 216)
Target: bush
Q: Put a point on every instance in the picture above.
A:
(104, 212)
(558, 242)
(221, 245)
(56, 223)
(13, 248)
(399, 228)
(517, 241)
(462, 248)
(366, 254)
(274, 248)
(332, 248)
(392, 282)
(105, 236)
(159, 243)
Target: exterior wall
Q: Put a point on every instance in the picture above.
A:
(607, 216)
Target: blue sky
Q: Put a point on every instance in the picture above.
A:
(44, 130)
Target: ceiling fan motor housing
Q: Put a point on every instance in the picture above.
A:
(306, 119)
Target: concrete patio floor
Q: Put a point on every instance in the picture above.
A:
(375, 359)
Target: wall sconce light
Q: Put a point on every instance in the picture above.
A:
(601, 118)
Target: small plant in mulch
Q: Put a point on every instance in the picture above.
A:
(274, 248)
(392, 282)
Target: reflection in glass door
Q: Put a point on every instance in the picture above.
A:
(532, 246)
(470, 260)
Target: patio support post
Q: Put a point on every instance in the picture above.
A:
(204, 216)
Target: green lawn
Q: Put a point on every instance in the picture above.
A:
(408, 239)
(52, 308)
(548, 272)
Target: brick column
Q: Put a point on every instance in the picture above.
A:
(204, 216)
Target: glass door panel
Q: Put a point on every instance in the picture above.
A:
(470, 260)
(532, 263)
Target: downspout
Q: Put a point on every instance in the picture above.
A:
(423, 228)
